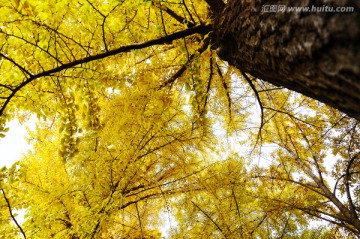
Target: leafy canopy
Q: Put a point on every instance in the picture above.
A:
(141, 127)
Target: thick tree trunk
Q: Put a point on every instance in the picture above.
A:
(314, 53)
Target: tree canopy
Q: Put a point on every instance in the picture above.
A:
(144, 132)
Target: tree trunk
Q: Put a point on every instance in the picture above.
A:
(314, 53)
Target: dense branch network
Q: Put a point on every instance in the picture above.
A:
(201, 29)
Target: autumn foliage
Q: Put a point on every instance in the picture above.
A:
(143, 132)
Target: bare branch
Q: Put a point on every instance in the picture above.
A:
(138, 214)
(12, 215)
(226, 88)
(259, 224)
(16, 64)
(260, 104)
(208, 216)
(97, 10)
(337, 181)
(305, 185)
(162, 19)
(208, 86)
(291, 116)
(183, 68)
(173, 14)
(236, 202)
(347, 185)
(187, 10)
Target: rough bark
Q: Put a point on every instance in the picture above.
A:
(314, 53)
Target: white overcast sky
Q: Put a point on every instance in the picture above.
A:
(14, 143)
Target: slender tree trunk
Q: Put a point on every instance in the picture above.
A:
(314, 53)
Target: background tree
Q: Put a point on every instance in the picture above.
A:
(301, 162)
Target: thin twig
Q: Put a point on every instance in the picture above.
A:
(226, 88)
(138, 214)
(16, 64)
(208, 216)
(12, 215)
(260, 104)
(173, 14)
(183, 68)
(347, 185)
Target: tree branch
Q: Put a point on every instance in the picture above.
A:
(208, 216)
(350, 217)
(347, 185)
(138, 214)
(305, 185)
(236, 203)
(216, 5)
(226, 88)
(208, 86)
(258, 225)
(16, 64)
(201, 29)
(260, 105)
(11, 214)
(185, 66)
(173, 14)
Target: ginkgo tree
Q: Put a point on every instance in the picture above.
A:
(137, 116)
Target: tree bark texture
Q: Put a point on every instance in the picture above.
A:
(313, 53)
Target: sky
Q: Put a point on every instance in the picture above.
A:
(14, 144)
